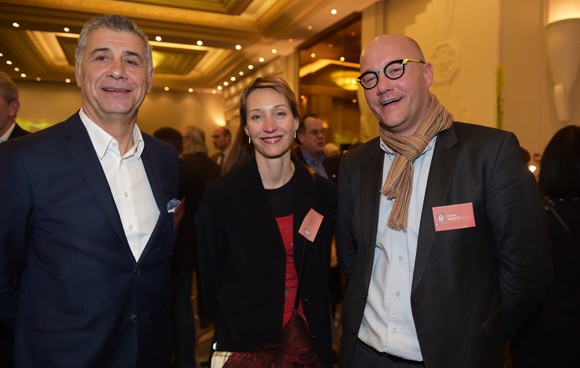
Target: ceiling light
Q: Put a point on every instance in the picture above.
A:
(290, 40)
(310, 28)
(17, 69)
(66, 29)
(166, 88)
(330, 45)
(342, 58)
(302, 97)
(219, 88)
(233, 78)
(1, 54)
(199, 43)
(238, 47)
(353, 34)
(241, 73)
(274, 51)
(214, 91)
(158, 38)
(8, 62)
(313, 55)
(261, 60)
(38, 79)
(226, 84)
(190, 90)
(333, 11)
(16, 24)
(23, 75)
(354, 100)
(67, 80)
(250, 67)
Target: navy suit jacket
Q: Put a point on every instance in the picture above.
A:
(69, 284)
(471, 287)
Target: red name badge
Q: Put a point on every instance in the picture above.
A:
(457, 216)
(178, 214)
(310, 225)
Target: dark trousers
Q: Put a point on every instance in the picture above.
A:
(182, 318)
(364, 356)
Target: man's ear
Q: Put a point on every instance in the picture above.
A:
(150, 81)
(13, 108)
(428, 73)
(78, 74)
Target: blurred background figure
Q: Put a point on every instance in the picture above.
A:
(9, 106)
(549, 338)
(330, 150)
(241, 149)
(222, 141)
(310, 135)
(184, 259)
(249, 246)
(195, 153)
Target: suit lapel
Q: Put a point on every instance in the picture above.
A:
(155, 179)
(81, 151)
(440, 174)
(370, 187)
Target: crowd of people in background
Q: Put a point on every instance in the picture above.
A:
(434, 238)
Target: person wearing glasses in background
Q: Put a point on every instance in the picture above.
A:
(440, 228)
(310, 136)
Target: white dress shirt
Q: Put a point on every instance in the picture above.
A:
(128, 183)
(387, 323)
(6, 135)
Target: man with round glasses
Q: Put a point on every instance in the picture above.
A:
(440, 228)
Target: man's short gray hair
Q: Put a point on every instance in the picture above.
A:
(8, 89)
(116, 23)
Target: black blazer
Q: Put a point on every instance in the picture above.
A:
(69, 278)
(471, 287)
(243, 261)
(17, 132)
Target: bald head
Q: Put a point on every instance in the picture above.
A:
(398, 102)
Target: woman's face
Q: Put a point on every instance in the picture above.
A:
(270, 123)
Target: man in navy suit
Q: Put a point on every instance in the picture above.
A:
(86, 237)
(9, 106)
(440, 228)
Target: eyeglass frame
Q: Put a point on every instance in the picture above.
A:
(403, 62)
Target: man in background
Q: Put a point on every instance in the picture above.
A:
(9, 106)
(88, 224)
(310, 136)
(440, 228)
(195, 153)
(222, 141)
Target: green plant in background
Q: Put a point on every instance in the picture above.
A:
(500, 100)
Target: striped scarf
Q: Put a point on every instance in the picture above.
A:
(399, 183)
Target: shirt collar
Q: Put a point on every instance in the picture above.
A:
(309, 160)
(102, 140)
(6, 135)
(388, 149)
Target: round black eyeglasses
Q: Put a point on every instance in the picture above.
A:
(394, 70)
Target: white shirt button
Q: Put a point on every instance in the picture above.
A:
(131, 227)
(114, 144)
(394, 330)
(397, 293)
(126, 194)
(400, 258)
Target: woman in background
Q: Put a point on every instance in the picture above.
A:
(249, 246)
(550, 337)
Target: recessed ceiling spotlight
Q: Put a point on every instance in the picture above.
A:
(261, 60)
(166, 88)
(310, 28)
(8, 62)
(353, 34)
(233, 78)
(333, 11)
(342, 58)
(219, 88)
(67, 80)
(290, 40)
(17, 69)
(158, 38)
(313, 55)
(330, 45)
(238, 47)
(199, 43)
(1, 54)
(190, 90)
(66, 29)
(274, 51)
(38, 79)
(16, 24)
(302, 97)
(23, 75)
(214, 91)
(250, 67)
(354, 100)
(226, 84)
(241, 73)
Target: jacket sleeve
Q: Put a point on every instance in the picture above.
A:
(345, 246)
(17, 220)
(516, 215)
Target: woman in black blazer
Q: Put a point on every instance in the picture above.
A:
(249, 246)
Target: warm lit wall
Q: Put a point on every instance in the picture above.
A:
(44, 104)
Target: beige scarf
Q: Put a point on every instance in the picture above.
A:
(399, 183)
